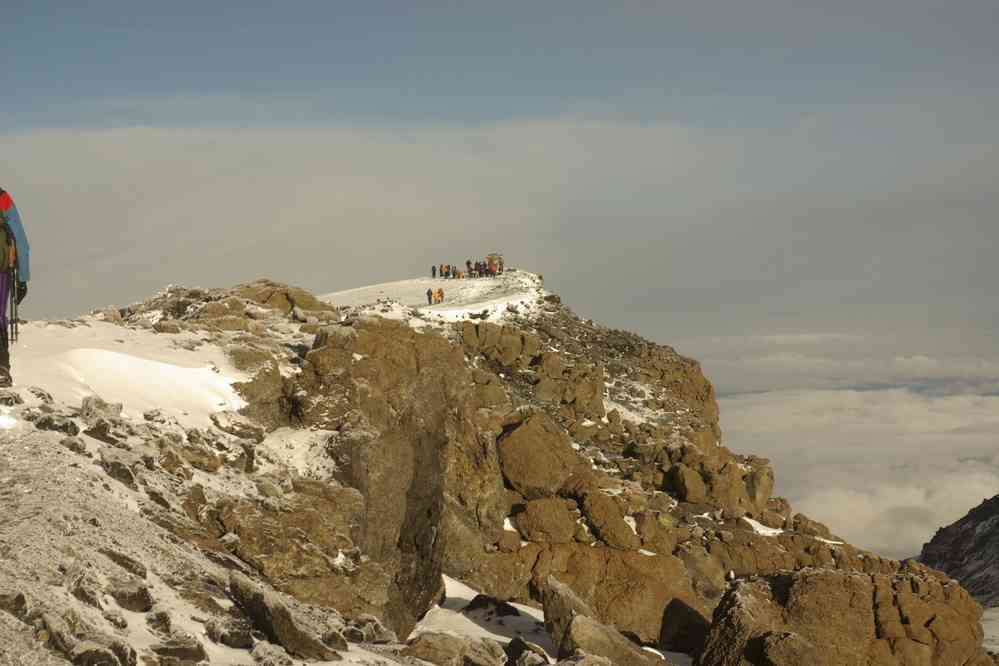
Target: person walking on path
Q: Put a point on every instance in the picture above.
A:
(433, 272)
(430, 296)
(14, 276)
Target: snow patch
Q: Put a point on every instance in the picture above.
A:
(136, 367)
(632, 524)
(762, 529)
(453, 617)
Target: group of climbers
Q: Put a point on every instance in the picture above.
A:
(435, 296)
(488, 267)
(14, 275)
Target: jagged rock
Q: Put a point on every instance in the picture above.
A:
(107, 431)
(84, 588)
(229, 632)
(827, 617)
(127, 563)
(587, 635)
(607, 520)
(368, 629)
(171, 462)
(237, 425)
(94, 408)
(14, 603)
(74, 444)
(167, 326)
(968, 550)
(688, 484)
(280, 297)
(296, 546)
(449, 650)
(56, 423)
(537, 457)
(561, 605)
(271, 616)
(10, 398)
(88, 649)
(132, 594)
(88, 653)
(60, 636)
(120, 465)
(181, 647)
(160, 622)
(41, 394)
(268, 654)
(523, 653)
(547, 520)
(625, 589)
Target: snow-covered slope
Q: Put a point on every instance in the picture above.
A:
(407, 299)
(136, 367)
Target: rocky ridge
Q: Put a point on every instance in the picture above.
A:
(968, 550)
(536, 456)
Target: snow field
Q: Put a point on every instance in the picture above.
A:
(136, 367)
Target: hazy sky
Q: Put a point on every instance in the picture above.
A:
(801, 194)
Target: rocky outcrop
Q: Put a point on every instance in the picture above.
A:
(537, 457)
(968, 550)
(449, 650)
(833, 618)
(544, 460)
(276, 620)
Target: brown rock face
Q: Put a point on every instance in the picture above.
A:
(832, 618)
(300, 547)
(277, 621)
(417, 445)
(626, 589)
(589, 636)
(968, 550)
(547, 520)
(277, 296)
(447, 650)
(537, 457)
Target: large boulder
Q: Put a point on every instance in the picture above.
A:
(271, 616)
(629, 590)
(449, 650)
(590, 637)
(537, 457)
(548, 520)
(834, 618)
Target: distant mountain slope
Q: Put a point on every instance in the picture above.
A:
(968, 550)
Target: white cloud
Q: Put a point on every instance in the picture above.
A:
(884, 469)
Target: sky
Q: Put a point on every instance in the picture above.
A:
(799, 194)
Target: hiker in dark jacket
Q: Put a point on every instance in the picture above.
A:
(433, 271)
(15, 271)
(430, 296)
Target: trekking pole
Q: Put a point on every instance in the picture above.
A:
(13, 304)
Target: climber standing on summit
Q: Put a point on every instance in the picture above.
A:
(14, 275)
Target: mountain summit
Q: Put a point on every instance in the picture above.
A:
(260, 475)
